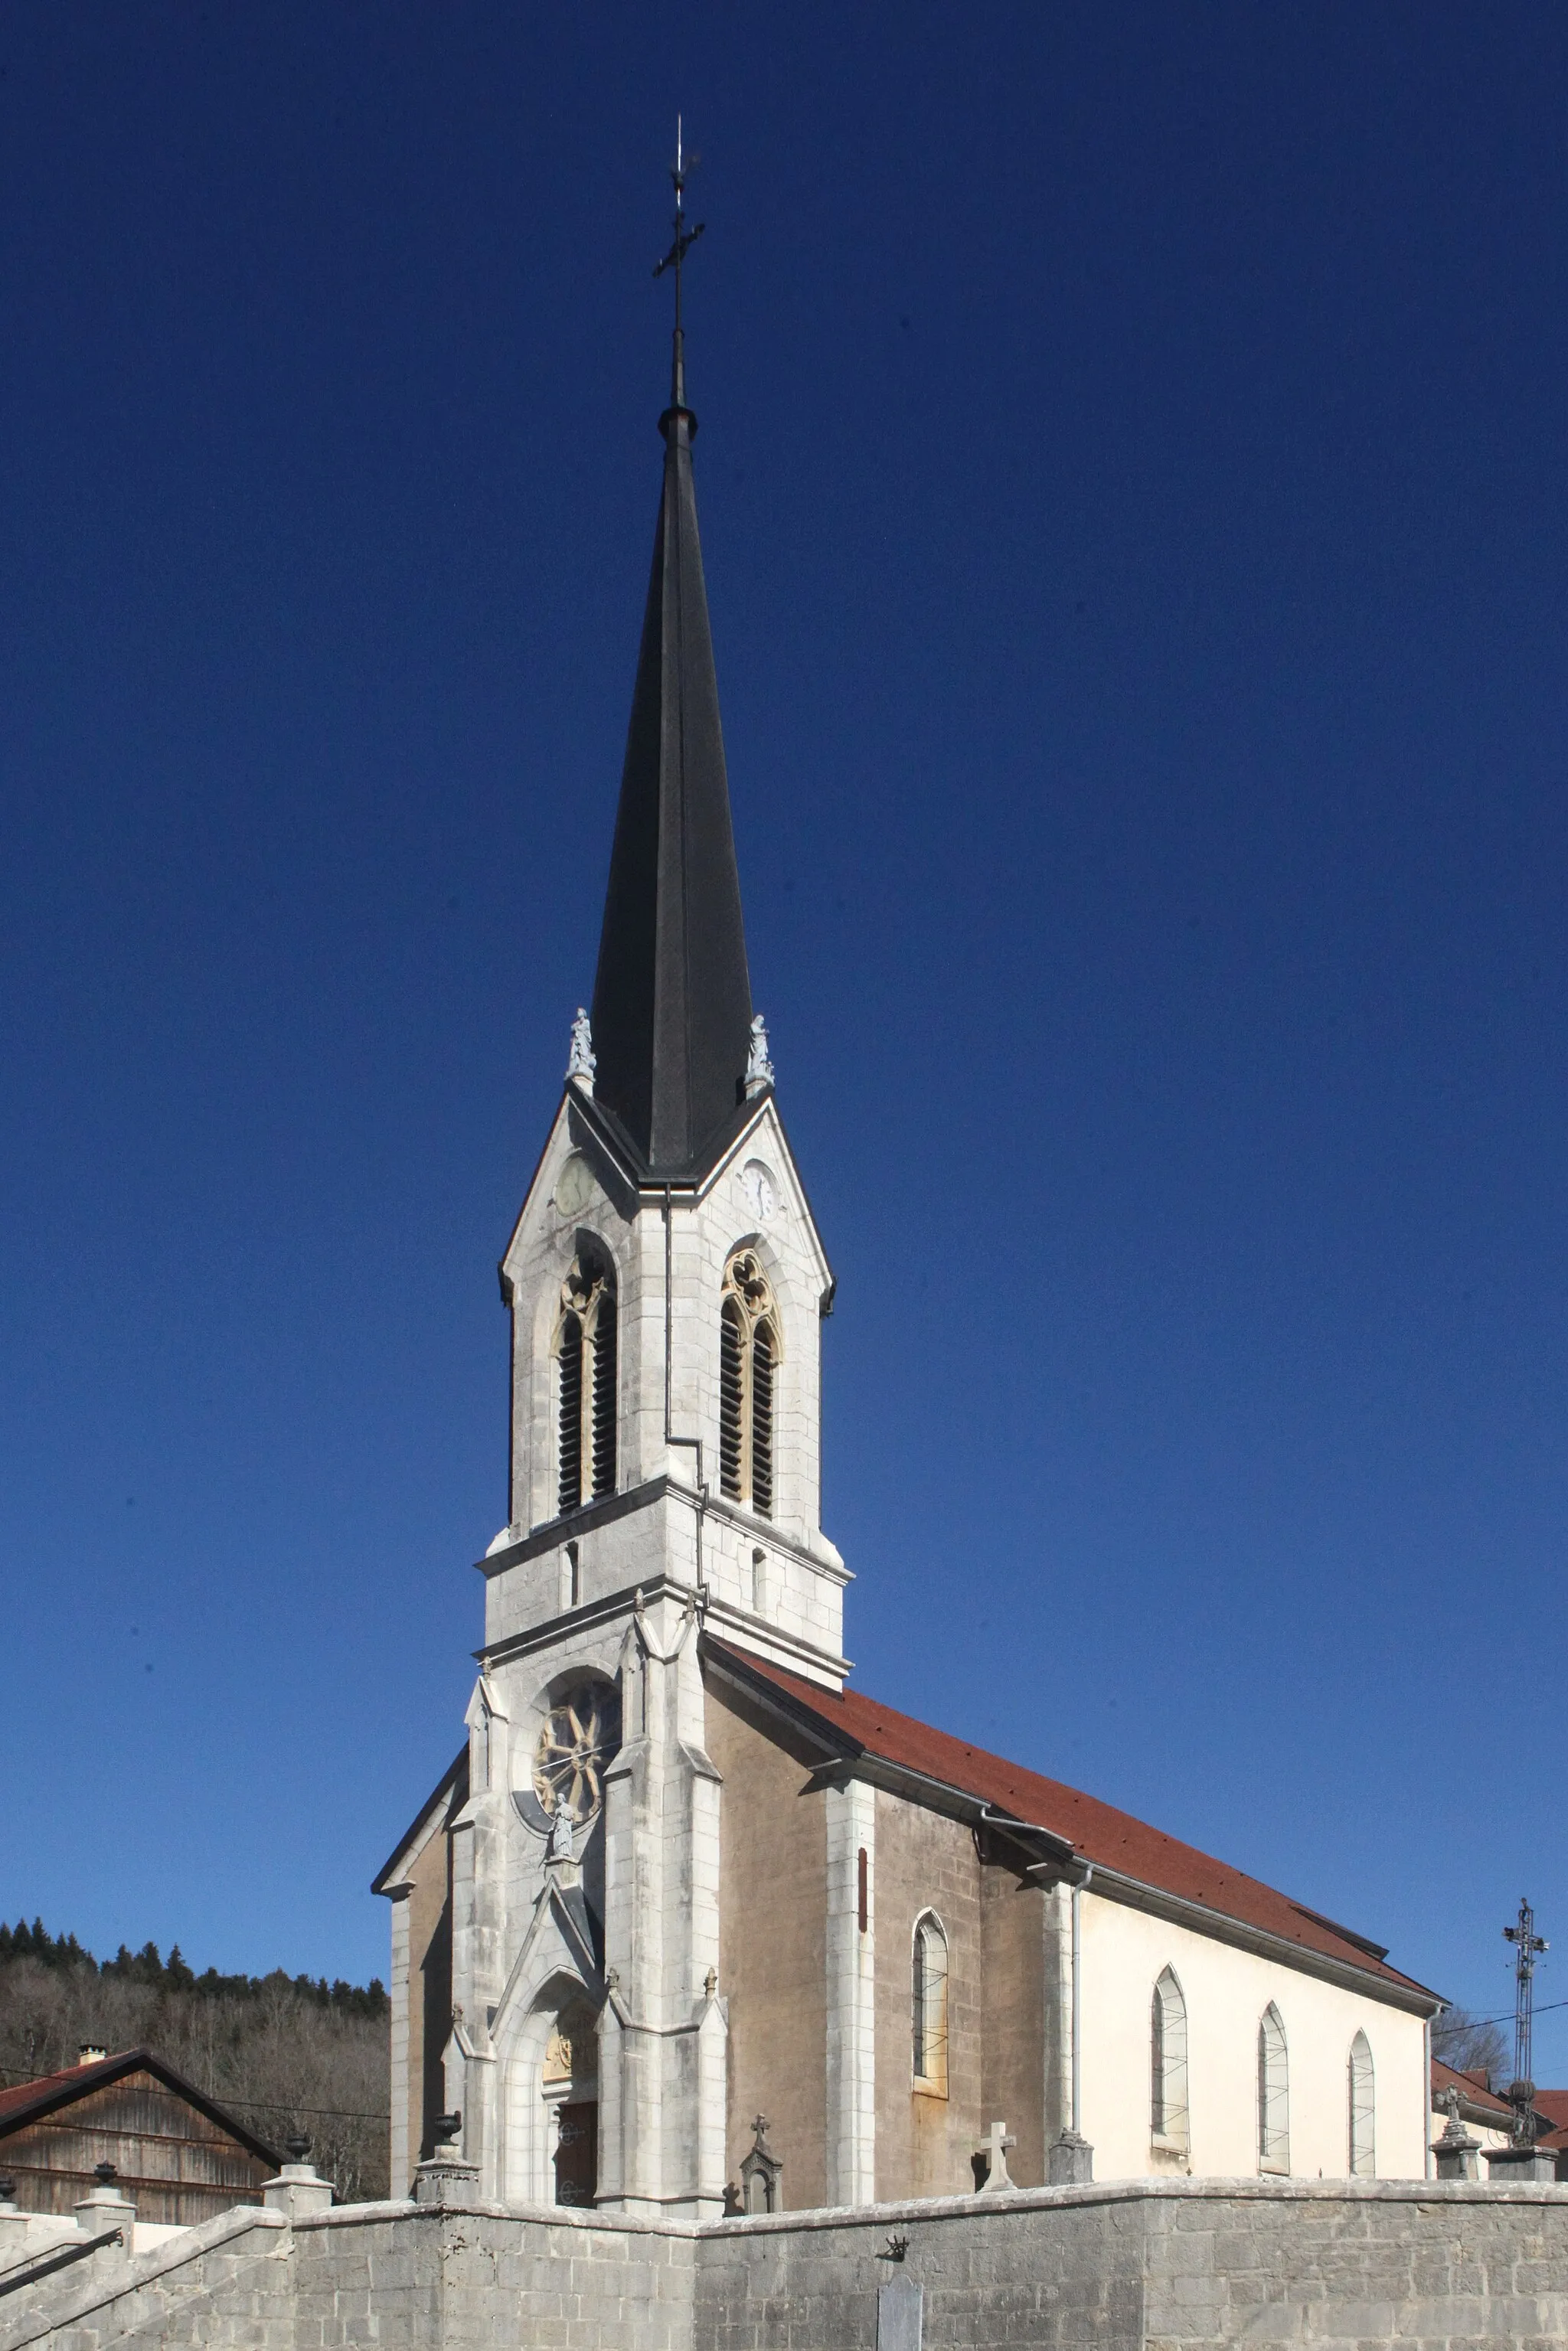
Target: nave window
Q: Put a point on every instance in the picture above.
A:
(1362, 2110)
(929, 2004)
(1167, 2065)
(1273, 2093)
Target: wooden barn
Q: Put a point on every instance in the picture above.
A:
(176, 2154)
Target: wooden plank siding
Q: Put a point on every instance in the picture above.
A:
(177, 2164)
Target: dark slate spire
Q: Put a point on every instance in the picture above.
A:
(672, 998)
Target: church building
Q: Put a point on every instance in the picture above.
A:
(683, 1875)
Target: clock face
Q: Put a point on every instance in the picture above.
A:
(574, 1187)
(758, 1185)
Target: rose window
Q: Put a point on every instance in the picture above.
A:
(575, 1744)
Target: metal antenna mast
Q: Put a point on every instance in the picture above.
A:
(1528, 1946)
(683, 240)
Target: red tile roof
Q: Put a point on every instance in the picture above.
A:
(1099, 1833)
(29, 2101)
(28, 2094)
(1553, 2104)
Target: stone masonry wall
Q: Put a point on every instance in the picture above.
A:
(773, 1902)
(925, 2145)
(1157, 2265)
(229, 2282)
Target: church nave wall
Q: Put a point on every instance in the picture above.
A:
(1226, 1991)
(772, 1944)
(926, 1862)
(1013, 1953)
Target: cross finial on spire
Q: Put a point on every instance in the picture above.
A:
(671, 998)
(685, 238)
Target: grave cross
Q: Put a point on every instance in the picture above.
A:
(1454, 2131)
(994, 2148)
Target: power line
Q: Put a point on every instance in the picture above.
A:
(261, 2106)
(1507, 2018)
(251, 2105)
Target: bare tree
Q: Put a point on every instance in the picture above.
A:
(1473, 2044)
(287, 2058)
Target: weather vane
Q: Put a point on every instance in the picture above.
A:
(684, 237)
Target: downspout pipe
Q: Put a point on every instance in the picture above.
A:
(693, 1443)
(1426, 2094)
(1078, 1889)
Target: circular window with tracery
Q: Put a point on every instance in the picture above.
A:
(576, 1741)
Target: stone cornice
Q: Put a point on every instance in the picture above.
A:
(554, 1532)
(1156, 2189)
(623, 1603)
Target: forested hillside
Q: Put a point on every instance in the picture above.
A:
(288, 2054)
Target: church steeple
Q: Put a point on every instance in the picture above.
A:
(672, 997)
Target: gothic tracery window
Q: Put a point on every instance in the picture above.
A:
(929, 2003)
(1273, 2093)
(748, 1353)
(585, 1385)
(1362, 2113)
(1169, 2120)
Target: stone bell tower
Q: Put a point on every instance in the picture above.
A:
(666, 1287)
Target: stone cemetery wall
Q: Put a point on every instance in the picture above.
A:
(1155, 2265)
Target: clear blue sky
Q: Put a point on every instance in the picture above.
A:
(1132, 473)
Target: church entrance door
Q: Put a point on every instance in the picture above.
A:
(577, 2153)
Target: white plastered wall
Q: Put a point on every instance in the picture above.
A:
(1227, 1990)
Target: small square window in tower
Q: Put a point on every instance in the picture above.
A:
(586, 1389)
(748, 1357)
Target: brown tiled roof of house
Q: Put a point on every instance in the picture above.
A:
(22, 2100)
(1098, 1832)
(1471, 2087)
(30, 2101)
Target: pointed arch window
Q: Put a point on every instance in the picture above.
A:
(586, 1390)
(1168, 2124)
(1273, 2093)
(748, 1356)
(1362, 2110)
(929, 2004)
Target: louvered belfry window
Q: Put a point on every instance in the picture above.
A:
(586, 1389)
(731, 1393)
(762, 1419)
(569, 1421)
(604, 1397)
(748, 1353)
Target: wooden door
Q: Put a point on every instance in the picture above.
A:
(577, 2154)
